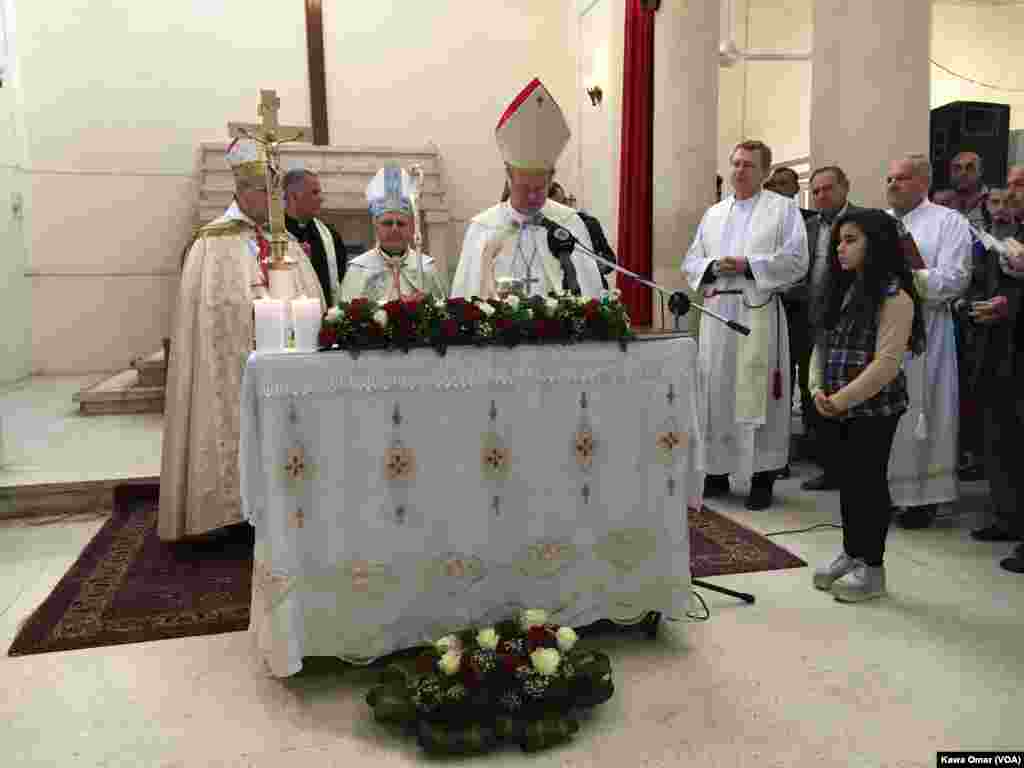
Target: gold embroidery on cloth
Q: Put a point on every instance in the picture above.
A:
(454, 572)
(626, 548)
(547, 558)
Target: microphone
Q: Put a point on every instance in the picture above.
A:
(561, 239)
(562, 243)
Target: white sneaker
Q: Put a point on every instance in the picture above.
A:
(825, 575)
(862, 583)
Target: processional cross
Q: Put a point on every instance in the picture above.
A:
(270, 135)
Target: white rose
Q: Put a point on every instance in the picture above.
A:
(487, 638)
(440, 304)
(529, 314)
(545, 660)
(512, 300)
(566, 638)
(448, 643)
(380, 317)
(333, 313)
(581, 299)
(534, 617)
(486, 308)
(551, 304)
(449, 663)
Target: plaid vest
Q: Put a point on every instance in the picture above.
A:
(849, 348)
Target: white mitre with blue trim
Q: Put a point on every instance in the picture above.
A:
(533, 132)
(390, 191)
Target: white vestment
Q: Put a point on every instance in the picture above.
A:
(769, 232)
(922, 467)
(369, 276)
(524, 252)
(211, 341)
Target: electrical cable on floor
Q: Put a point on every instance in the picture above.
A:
(805, 530)
(696, 616)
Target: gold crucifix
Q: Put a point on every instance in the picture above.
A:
(270, 135)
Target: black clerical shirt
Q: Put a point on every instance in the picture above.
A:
(318, 255)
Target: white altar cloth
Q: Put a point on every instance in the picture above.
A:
(396, 498)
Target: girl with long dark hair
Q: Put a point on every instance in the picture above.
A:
(872, 319)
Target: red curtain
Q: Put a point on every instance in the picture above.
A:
(636, 160)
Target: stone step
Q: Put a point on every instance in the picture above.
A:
(122, 393)
(152, 369)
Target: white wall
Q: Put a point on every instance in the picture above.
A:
(15, 289)
(767, 100)
(119, 94)
(600, 31)
(771, 100)
(982, 43)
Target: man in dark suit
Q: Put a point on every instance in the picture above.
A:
(830, 189)
(597, 237)
(786, 182)
(326, 251)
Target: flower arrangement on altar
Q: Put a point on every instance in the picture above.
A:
(520, 681)
(424, 321)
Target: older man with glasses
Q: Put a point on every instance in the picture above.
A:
(391, 269)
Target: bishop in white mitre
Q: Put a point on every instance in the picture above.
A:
(392, 269)
(922, 467)
(748, 249)
(226, 268)
(507, 242)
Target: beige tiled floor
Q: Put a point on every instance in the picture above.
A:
(46, 439)
(795, 680)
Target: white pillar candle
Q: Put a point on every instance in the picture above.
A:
(270, 324)
(306, 314)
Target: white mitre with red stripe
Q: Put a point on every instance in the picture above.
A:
(533, 132)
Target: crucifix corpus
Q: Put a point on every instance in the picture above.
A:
(270, 135)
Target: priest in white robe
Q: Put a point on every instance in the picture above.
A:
(748, 249)
(922, 470)
(507, 245)
(226, 268)
(392, 269)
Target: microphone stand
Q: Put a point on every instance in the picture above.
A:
(678, 304)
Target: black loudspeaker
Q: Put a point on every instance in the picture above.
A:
(970, 126)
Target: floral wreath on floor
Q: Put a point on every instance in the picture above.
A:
(424, 321)
(519, 681)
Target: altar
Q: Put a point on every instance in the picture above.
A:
(398, 497)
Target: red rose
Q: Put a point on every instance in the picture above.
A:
(328, 336)
(450, 327)
(536, 638)
(510, 662)
(503, 324)
(471, 676)
(394, 309)
(473, 313)
(357, 308)
(591, 309)
(425, 663)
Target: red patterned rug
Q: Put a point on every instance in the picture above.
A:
(128, 586)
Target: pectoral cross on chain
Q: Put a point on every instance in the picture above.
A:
(529, 280)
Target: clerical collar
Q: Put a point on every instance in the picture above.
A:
(523, 218)
(384, 252)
